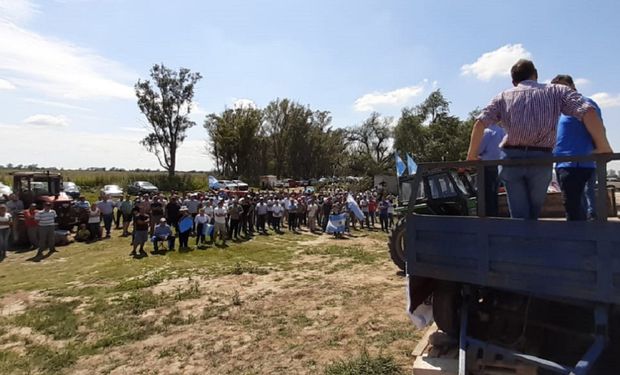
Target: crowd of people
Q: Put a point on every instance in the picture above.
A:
(209, 218)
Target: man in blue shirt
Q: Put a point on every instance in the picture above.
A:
(573, 139)
(489, 150)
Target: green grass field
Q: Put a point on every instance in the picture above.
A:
(275, 304)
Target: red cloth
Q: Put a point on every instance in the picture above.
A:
(29, 218)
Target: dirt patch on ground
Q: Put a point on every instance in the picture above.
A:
(15, 303)
(284, 322)
(329, 299)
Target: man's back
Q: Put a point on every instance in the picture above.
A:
(529, 112)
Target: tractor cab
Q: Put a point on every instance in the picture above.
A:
(44, 187)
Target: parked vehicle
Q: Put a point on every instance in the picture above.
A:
(535, 292)
(71, 189)
(241, 186)
(45, 187)
(142, 187)
(112, 191)
(5, 190)
(268, 181)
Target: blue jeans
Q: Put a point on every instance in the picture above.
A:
(526, 186)
(107, 223)
(590, 196)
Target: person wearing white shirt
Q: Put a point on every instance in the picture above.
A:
(312, 211)
(220, 213)
(277, 211)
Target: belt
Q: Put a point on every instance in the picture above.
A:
(528, 148)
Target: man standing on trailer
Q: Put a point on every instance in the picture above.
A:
(573, 140)
(529, 114)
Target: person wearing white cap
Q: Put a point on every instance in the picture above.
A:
(162, 232)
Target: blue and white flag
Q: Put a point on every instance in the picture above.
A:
(213, 183)
(185, 224)
(207, 229)
(411, 165)
(400, 165)
(336, 223)
(355, 208)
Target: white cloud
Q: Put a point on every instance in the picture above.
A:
(496, 63)
(581, 81)
(370, 102)
(59, 68)
(17, 10)
(56, 104)
(6, 85)
(606, 100)
(47, 120)
(243, 103)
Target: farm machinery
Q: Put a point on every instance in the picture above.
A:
(44, 187)
(542, 293)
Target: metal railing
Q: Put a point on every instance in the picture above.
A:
(601, 161)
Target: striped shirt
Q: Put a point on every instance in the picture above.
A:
(5, 221)
(529, 112)
(45, 218)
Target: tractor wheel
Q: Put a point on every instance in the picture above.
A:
(396, 243)
(447, 302)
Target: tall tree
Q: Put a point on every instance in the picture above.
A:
(430, 133)
(370, 144)
(235, 141)
(167, 102)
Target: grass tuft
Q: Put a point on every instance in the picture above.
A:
(364, 364)
(55, 319)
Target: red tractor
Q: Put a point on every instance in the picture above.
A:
(42, 187)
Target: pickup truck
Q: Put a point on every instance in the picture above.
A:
(543, 292)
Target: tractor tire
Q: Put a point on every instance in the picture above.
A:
(396, 244)
(447, 301)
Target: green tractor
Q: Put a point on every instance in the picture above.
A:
(441, 192)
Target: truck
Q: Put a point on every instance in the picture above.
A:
(545, 293)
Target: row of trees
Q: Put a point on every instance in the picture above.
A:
(289, 139)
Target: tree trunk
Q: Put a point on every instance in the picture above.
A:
(173, 161)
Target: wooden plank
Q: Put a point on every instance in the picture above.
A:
(423, 343)
(425, 365)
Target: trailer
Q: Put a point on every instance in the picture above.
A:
(543, 294)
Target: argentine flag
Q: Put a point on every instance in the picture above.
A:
(336, 223)
(400, 165)
(213, 183)
(353, 207)
(411, 165)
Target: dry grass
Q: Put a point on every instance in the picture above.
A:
(291, 304)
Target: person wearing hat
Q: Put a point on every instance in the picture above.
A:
(186, 223)
(162, 232)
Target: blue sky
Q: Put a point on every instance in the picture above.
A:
(67, 67)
